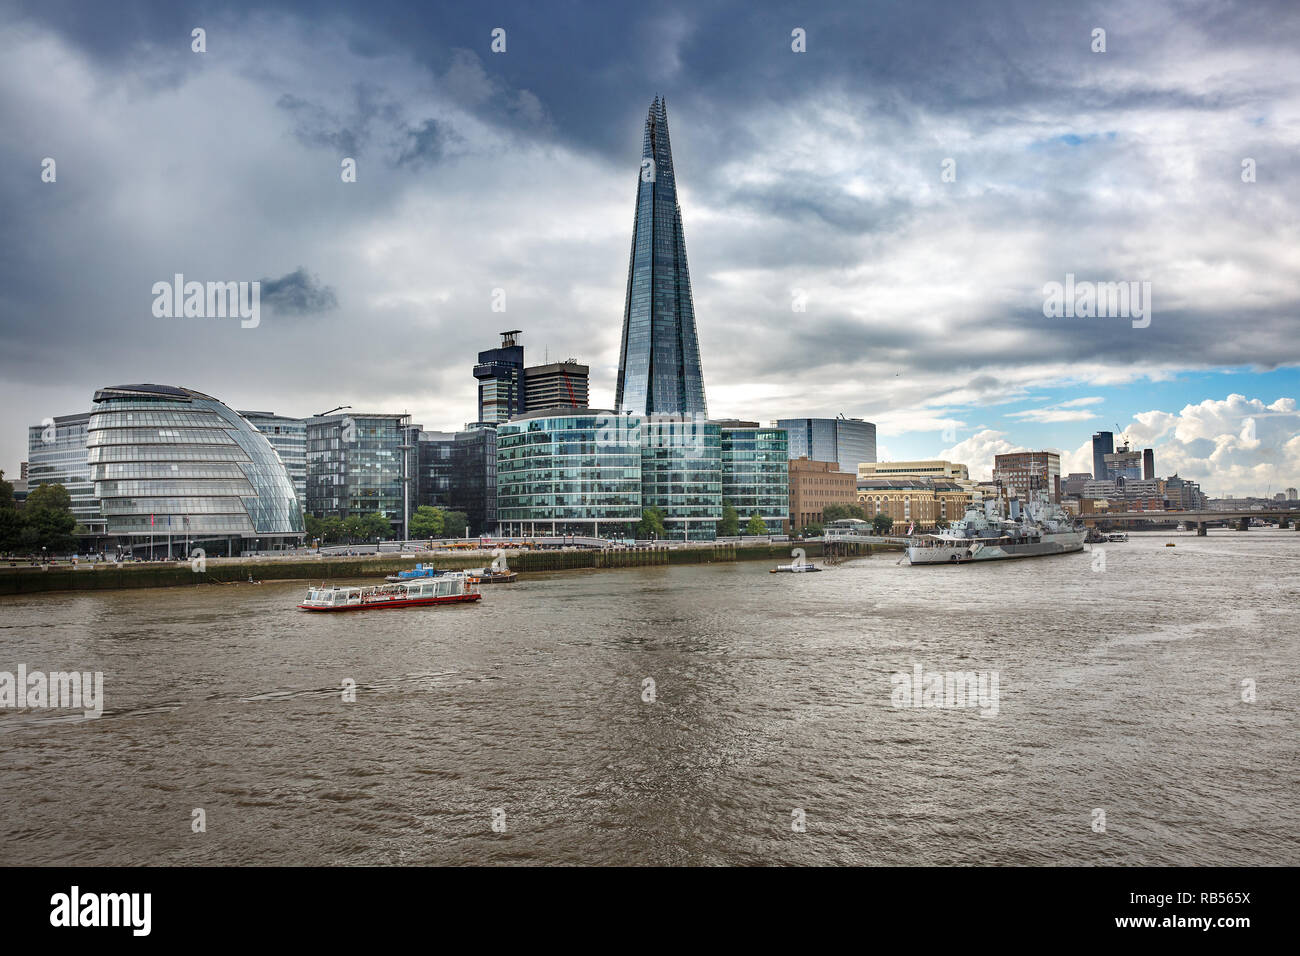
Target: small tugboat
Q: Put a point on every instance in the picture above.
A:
(446, 589)
(416, 573)
(1117, 537)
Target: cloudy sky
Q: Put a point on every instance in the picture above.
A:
(812, 177)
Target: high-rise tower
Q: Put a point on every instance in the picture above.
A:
(659, 361)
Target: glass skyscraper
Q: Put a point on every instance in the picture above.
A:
(847, 441)
(56, 454)
(659, 360)
(681, 474)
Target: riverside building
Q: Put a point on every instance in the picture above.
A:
(174, 464)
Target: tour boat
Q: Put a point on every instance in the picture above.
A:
(493, 575)
(447, 589)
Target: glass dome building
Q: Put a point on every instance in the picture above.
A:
(174, 464)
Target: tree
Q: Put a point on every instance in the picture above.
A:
(940, 523)
(837, 512)
(428, 522)
(456, 524)
(10, 523)
(729, 526)
(756, 524)
(812, 530)
(882, 523)
(374, 525)
(651, 524)
(47, 519)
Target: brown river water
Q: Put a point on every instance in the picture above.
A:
(1119, 690)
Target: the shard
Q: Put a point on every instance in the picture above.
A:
(659, 362)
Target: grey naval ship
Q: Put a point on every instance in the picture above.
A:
(983, 534)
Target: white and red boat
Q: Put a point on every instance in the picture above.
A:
(451, 589)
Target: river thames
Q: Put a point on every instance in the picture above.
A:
(1124, 731)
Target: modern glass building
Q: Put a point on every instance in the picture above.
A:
(577, 472)
(288, 436)
(500, 374)
(356, 465)
(755, 471)
(681, 474)
(172, 463)
(458, 471)
(1103, 444)
(56, 454)
(659, 360)
(846, 441)
(474, 478)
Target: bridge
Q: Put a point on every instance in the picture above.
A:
(1200, 520)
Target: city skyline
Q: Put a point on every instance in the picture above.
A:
(478, 171)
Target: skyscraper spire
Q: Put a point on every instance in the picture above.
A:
(659, 360)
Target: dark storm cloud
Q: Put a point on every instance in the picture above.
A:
(298, 293)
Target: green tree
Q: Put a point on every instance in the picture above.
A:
(428, 522)
(882, 523)
(651, 524)
(374, 525)
(837, 512)
(729, 526)
(812, 530)
(940, 523)
(756, 524)
(457, 524)
(10, 523)
(47, 519)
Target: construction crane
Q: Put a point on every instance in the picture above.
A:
(331, 411)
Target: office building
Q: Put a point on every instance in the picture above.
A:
(929, 468)
(357, 465)
(500, 374)
(1073, 484)
(1148, 463)
(288, 436)
(1124, 462)
(849, 442)
(755, 472)
(1103, 443)
(659, 356)
(813, 486)
(556, 385)
(174, 464)
(1290, 494)
(576, 472)
(56, 454)
(681, 474)
(1021, 471)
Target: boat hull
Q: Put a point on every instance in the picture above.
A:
(961, 553)
(411, 602)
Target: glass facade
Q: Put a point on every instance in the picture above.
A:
(756, 472)
(288, 436)
(56, 454)
(578, 473)
(500, 374)
(458, 471)
(659, 359)
(355, 466)
(170, 461)
(681, 474)
(847, 441)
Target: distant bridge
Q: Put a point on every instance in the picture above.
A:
(1198, 520)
